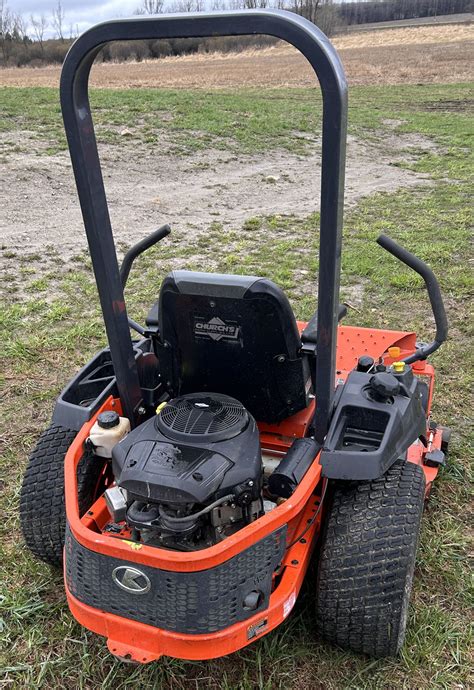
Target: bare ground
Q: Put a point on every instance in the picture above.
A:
(146, 188)
(415, 55)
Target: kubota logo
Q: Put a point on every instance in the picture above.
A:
(131, 580)
(216, 329)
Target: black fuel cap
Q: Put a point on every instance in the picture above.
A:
(107, 420)
(365, 363)
(384, 386)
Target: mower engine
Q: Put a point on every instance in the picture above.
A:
(190, 476)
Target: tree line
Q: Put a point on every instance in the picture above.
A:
(26, 40)
(391, 10)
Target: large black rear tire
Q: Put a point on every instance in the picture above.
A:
(42, 507)
(367, 561)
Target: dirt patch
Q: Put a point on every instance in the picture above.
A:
(460, 106)
(146, 188)
(420, 55)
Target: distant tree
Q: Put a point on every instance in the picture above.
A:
(187, 6)
(367, 11)
(307, 8)
(39, 24)
(149, 48)
(5, 17)
(151, 7)
(57, 20)
(255, 4)
(20, 29)
(6, 27)
(328, 17)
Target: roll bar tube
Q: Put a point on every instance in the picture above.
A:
(319, 52)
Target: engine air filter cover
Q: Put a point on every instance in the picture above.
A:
(198, 448)
(202, 417)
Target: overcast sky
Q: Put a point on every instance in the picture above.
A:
(84, 13)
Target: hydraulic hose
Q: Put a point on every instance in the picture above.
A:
(194, 516)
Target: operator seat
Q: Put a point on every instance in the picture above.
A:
(235, 335)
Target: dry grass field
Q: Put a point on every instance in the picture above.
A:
(415, 55)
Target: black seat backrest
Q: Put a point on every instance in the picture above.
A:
(235, 335)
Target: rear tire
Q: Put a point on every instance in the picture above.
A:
(367, 561)
(42, 507)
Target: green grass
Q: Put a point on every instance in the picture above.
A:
(51, 331)
(245, 121)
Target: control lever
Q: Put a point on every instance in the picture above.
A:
(434, 293)
(139, 248)
(130, 257)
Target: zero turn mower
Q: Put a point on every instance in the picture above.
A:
(189, 473)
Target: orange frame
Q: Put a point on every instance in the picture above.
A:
(144, 643)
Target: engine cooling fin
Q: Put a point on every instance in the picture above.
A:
(210, 416)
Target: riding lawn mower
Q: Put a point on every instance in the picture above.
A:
(193, 471)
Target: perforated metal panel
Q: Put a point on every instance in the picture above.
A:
(193, 603)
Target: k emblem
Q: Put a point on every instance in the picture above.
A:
(131, 580)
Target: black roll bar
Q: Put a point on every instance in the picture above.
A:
(319, 52)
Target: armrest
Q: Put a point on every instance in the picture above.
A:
(310, 333)
(152, 316)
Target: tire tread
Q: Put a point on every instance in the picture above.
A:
(42, 506)
(367, 561)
